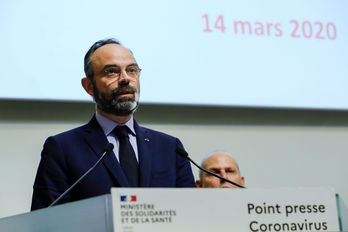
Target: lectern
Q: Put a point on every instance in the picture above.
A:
(90, 215)
(139, 209)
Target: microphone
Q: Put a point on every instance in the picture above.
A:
(183, 153)
(108, 148)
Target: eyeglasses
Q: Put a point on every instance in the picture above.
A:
(115, 71)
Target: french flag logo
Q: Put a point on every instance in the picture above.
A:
(131, 198)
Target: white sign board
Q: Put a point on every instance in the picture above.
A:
(252, 210)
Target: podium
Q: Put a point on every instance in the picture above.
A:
(342, 213)
(184, 210)
(89, 215)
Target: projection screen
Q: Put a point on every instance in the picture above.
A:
(270, 53)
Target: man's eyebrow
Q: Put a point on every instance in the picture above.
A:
(115, 65)
(133, 64)
(110, 65)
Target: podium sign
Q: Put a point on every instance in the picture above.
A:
(250, 210)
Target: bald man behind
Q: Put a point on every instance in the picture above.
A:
(223, 164)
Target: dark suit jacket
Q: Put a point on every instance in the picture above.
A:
(67, 156)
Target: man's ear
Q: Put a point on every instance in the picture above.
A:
(87, 85)
(242, 180)
(198, 184)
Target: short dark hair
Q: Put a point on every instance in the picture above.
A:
(88, 67)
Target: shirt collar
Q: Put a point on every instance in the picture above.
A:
(108, 125)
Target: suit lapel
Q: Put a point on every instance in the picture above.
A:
(97, 141)
(144, 154)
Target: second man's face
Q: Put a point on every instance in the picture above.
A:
(225, 166)
(116, 80)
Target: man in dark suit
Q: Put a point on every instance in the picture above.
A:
(147, 158)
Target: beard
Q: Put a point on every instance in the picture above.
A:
(113, 104)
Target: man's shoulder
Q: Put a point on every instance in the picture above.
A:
(92, 125)
(70, 132)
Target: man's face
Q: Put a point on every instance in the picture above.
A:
(116, 80)
(223, 165)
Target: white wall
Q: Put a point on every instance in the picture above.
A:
(274, 147)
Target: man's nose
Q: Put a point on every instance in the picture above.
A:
(124, 78)
(223, 173)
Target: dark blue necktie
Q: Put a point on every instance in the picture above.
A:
(127, 157)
